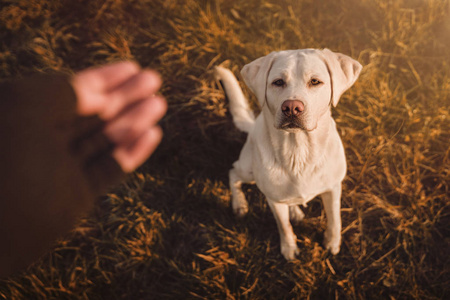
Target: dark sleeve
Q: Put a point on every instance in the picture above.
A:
(53, 166)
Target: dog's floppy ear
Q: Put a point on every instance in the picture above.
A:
(255, 75)
(344, 71)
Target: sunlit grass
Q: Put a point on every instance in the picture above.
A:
(168, 232)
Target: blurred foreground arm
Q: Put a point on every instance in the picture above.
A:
(64, 143)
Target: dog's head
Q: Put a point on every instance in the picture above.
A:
(298, 86)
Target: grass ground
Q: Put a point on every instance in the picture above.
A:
(169, 233)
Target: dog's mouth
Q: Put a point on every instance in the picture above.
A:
(291, 123)
(294, 124)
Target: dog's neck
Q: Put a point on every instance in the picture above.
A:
(302, 150)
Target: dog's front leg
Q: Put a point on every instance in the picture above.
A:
(242, 172)
(332, 203)
(288, 240)
(238, 202)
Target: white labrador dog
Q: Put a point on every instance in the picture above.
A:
(293, 151)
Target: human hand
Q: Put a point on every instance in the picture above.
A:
(123, 96)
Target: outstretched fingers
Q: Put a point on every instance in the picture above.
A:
(92, 85)
(136, 88)
(134, 154)
(135, 120)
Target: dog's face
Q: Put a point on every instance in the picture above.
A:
(298, 90)
(298, 86)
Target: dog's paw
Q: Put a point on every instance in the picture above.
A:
(332, 242)
(296, 215)
(238, 203)
(289, 251)
(240, 211)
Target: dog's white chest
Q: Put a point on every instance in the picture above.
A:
(296, 173)
(284, 185)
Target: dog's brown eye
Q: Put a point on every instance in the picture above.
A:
(279, 82)
(315, 81)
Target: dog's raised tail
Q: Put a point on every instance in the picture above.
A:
(243, 116)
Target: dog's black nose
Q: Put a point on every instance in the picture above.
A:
(292, 108)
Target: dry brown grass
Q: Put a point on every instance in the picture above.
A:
(168, 233)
